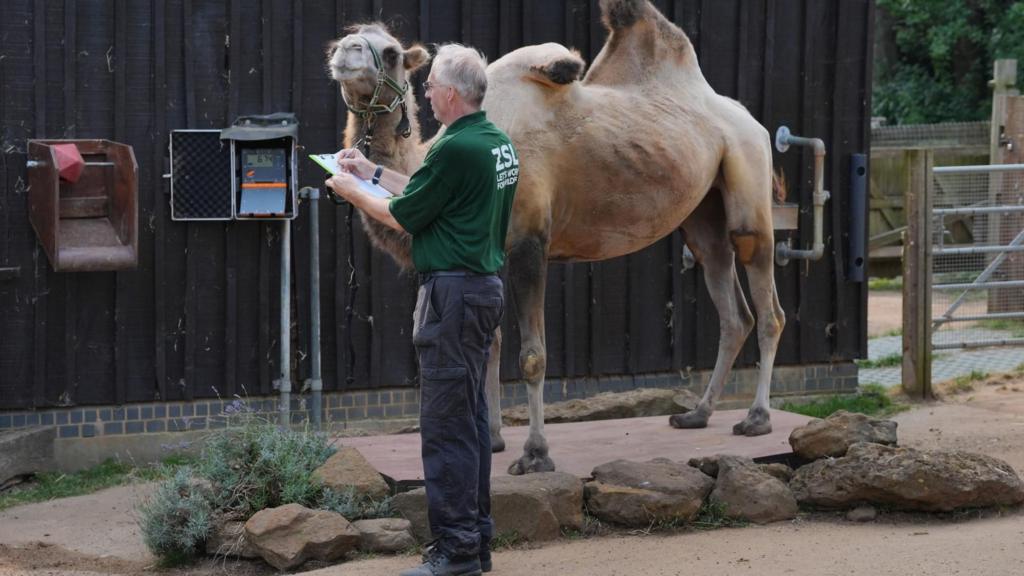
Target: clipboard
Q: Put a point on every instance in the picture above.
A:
(329, 162)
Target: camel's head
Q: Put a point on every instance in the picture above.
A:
(357, 59)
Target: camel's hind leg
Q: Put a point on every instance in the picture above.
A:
(493, 389)
(527, 272)
(748, 214)
(706, 236)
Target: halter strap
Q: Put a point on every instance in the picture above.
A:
(375, 108)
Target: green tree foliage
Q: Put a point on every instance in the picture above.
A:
(934, 57)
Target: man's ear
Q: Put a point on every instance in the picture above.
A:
(415, 57)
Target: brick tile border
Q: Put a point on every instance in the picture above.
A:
(370, 407)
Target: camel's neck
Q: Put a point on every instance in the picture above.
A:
(386, 147)
(391, 150)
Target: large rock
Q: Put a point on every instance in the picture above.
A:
(289, 535)
(748, 493)
(834, 435)
(228, 539)
(348, 469)
(638, 493)
(388, 535)
(608, 406)
(907, 479)
(412, 506)
(535, 506)
(709, 466)
(26, 451)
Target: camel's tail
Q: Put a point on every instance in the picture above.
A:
(779, 186)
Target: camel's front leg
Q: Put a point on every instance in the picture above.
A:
(527, 268)
(493, 389)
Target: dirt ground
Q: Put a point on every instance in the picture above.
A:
(97, 534)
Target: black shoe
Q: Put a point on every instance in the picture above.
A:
(485, 560)
(438, 564)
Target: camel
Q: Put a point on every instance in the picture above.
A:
(639, 147)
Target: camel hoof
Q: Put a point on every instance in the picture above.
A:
(527, 464)
(497, 443)
(757, 423)
(693, 419)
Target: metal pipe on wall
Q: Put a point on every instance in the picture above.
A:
(315, 383)
(783, 252)
(284, 383)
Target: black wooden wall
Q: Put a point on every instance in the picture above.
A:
(198, 318)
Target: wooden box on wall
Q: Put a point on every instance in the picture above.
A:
(91, 225)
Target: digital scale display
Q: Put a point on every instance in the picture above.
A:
(264, 166)
(264, 182)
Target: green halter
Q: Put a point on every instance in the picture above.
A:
(375, 108)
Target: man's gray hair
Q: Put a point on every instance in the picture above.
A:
(464, 69)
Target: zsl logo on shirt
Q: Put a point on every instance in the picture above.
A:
(506, 166)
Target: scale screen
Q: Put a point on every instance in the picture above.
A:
(264, 166)
(264, 182)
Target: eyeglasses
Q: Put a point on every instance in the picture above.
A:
(428, 85)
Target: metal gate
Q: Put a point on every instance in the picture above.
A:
(963, 265)
(977, 268)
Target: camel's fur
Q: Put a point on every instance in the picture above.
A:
(640, 147)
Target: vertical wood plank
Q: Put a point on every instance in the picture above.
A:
(466, 25)
(676, 341)
(160, 132)
(70, 280)
(596, 315)
(917, 300)
(39, 63)
(504, 26)
(122, 289)
(70, 67)
(40, 268)
(192, 244)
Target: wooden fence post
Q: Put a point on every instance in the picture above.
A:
(917, 275)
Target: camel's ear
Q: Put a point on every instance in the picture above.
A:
(415, 57)
(331, 47)
(559, 72)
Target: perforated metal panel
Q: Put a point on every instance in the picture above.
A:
(200, 176)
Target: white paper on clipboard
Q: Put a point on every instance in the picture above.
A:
(329, 162)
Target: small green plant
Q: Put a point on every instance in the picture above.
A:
(177, 518)
(965, 383)
(591, 527)
(873, 399)
(505, 540)
(889, 361)
(354, 506)
(893, 332)
(259, 465)
(712, 515)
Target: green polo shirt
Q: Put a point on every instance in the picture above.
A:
(457, 205)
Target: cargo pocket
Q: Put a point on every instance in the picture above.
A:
(482, 316)
(443, 392)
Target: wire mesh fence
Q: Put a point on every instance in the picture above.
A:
(948, 134)
(978, 256)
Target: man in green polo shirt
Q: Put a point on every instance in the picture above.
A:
(457, 208)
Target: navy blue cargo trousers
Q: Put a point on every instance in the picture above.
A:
(455, 319)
